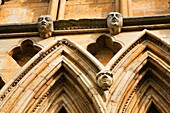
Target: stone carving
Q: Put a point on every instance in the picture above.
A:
(114, 22)
(45, 26)
(104, 79)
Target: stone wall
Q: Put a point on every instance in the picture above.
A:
(88, 8)
(21, 11)
(150, 7)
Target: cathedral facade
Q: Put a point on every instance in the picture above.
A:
(84, 56)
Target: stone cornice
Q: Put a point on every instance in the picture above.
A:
(86, 26)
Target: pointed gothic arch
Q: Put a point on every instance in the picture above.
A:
(64, 70)
(36, 81)
(148, 53)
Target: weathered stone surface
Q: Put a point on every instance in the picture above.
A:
(63, 74)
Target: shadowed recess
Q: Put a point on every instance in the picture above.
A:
(2, 83)
(152, 109)
(104, 49)
(62, 110)
(23, 53)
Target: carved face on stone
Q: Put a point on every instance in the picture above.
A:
(114, 22)
(104, 80)
(45, 26)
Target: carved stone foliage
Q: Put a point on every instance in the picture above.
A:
(104, 49)
(45, 26)
(104, 79)
(114, 22)
(24, 52)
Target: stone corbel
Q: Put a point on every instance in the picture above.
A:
(45, 26)
(104, 79)
(114, 22)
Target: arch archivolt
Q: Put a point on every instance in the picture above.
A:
(63, 93)
(32, 83)
(146, 94)
(148, 54)
(132, 88)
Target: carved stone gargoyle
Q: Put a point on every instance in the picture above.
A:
(45, 26)
(114, 22)
(104, 79)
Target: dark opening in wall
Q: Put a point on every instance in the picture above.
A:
(104, 49)
(23, 53)
(62, 110)
(2, 83)
(153, 109)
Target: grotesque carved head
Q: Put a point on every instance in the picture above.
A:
(104, 79)
(114, 22)
(45, 26)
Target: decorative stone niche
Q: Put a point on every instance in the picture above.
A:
(24, 52)
(104, 49)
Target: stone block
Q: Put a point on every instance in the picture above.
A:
(40, 92)
(20, 0)
(156, 4)
(35, 18)
(5, 12)
(34, 84)
(70, 15)
(35, 11)
(138, 12)
(141, 4)
(71, 2)
(35, 5)
(70, 9)
(43, 10)
(20, 11)
(93, 10)
(104, 1)
(27, 19)
(157, 12)
(85, 1)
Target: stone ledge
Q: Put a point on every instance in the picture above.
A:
(91, 25)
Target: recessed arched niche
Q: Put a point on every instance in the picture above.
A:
(24, 52)
(104, 48)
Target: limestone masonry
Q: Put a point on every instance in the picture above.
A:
(84, 56)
